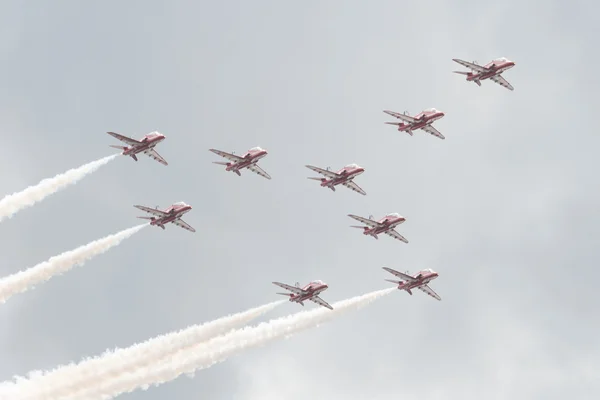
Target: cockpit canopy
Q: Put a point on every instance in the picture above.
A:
(180, 203)
(154, 134)
(432, 110)
(317, 282)
(353, 165)
(427, 270)
(393, 215)
(256, 149)
(501, 60)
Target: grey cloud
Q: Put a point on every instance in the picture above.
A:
(504, 209)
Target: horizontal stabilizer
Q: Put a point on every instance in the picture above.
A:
(356, 226)
(220, 162)
(117, 147)
(393, 281)
(393, 123)
(315, 179)
(285, 294)
(148, 218)
(461, 72)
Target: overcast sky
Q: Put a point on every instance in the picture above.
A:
(505, 209)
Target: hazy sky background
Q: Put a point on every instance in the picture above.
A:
(505, 209)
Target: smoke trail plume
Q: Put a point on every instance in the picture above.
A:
(15, 202)
(208, 353)
(68, 380)
(24, 280)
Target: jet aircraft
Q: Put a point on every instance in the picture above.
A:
(248, 160)
(309, 292)
(385, 225)
(144, 145)
(491, 70)
(416, 281)
(172, 214)
(344, 176)
(422, 120)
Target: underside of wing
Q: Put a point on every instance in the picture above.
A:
(153, 154)
(184, 225)
(322, 171)
(400, 275)
(353, 186)
(471, 66)
(258, 170)
(152, 211)
(229, 156)
(320, 302)
(396, 235)
(502, 82)
(403, 117)
(292, 289)
(430, 129)
(368, 222)
(125, 139)
(429, 291)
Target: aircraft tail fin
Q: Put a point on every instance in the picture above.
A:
(393, 123)
(285, 294)
(316, 179)
(462, 72)
(114, 146)
(148, 218)
(220, 162)
(357, 226)
(393, 281)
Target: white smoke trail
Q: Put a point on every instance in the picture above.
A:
(15, 202)
(68, 380)
(213, 351)
(24, 280)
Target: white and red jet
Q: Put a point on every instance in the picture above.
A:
(144, 145)
(385, 225)
(344, 177)
(491, 71)
(172, 214)
(422, 120)
(416, 281)
(248, 160)
(309, 292)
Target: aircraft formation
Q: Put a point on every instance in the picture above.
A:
(345, 177)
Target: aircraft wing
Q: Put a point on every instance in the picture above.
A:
(183, 225)
(258, 170)
(396, 235)
(502, 82)
(403, 117)
(430, 129)
(229, 156)
(153, 154)
(293, 289)
(322, 171)
(474, 67)
(353, 186)
(400, 275)
(365, 221)
(429, 291)
(125, 139)
(152, 211)
(320, 302)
